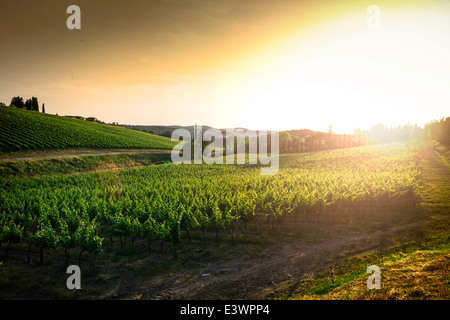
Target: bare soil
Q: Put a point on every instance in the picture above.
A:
(275, 268)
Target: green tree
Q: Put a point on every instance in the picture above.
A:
(34, 104)
(285, 141)
(17, 102)
(27, 104)
(445, 132)
(439, 130)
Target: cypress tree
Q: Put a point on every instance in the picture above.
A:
(34, 104)
(28, 104)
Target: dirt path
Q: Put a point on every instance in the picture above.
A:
(276, 268)
(435, 180)
(82, 154)
(318, 248)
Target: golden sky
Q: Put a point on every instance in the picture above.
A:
(260, 64)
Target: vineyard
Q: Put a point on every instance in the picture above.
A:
(29, 130)
(77, 213)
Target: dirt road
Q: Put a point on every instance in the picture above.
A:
(82, 154)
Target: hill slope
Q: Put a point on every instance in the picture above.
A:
(30, 130)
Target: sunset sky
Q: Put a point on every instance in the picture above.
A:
(259, 64)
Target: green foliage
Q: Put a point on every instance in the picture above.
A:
(27, 104)
(17, 102)
(157, 203)
(11, 232)
(45, 237)
(86, 237)
(439, 130)
(34, 104)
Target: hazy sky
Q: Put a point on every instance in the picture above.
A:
(260, 64)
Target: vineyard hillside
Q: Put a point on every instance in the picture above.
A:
(30, 130)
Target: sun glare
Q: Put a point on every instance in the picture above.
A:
(345, 75)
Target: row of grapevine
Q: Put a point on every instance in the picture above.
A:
(25, 130)
(158, 203)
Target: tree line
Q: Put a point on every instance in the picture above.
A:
(31, 104)
(298, 141)
(439, 130)
(293, 141)
(290, 142)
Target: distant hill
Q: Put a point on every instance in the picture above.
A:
(162, 130)
(167, 130)
(31, 130)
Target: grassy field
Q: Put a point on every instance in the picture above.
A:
(417, 270)
(23, 130)
(71, 164)
(410, 272)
